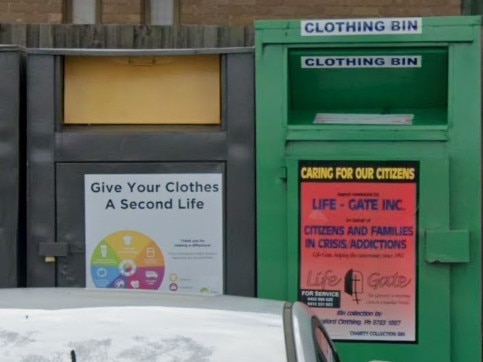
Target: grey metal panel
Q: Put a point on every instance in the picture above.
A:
(53, 248)
(58, 93)
(60, 154)
(40, 167)
(70, 206)
(115, 146)
(241, 248)
(9, 166)
(9, 48)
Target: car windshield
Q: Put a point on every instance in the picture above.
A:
(326, 351)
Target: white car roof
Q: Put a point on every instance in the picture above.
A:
(47, 324)
(59, 298)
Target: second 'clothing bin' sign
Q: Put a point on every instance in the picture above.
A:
(358, 245)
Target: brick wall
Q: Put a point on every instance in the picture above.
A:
(31, 11)
(243, 12)
(234, 12)
(121, 11)
(50, 11)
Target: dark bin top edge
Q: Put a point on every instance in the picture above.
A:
(8, 47)
(139, 52)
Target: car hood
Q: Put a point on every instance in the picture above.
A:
(140, 333)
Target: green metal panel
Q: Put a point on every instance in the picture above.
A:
(379, 89)
(444, 138)
(432, 281)
(471, 7)
(435, 29)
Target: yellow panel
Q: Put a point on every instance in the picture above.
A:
(142, 90)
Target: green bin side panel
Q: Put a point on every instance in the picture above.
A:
(447, 124)
(465, 197)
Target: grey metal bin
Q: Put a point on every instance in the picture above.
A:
(204, 171)
(11, 257)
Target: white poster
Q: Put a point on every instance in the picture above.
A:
(154, 231)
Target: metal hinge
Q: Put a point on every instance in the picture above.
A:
(283, 173)
(51, 250)
(447, 246)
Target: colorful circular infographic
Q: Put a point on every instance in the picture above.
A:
(129, 260)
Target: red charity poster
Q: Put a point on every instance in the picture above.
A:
(358, 251)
